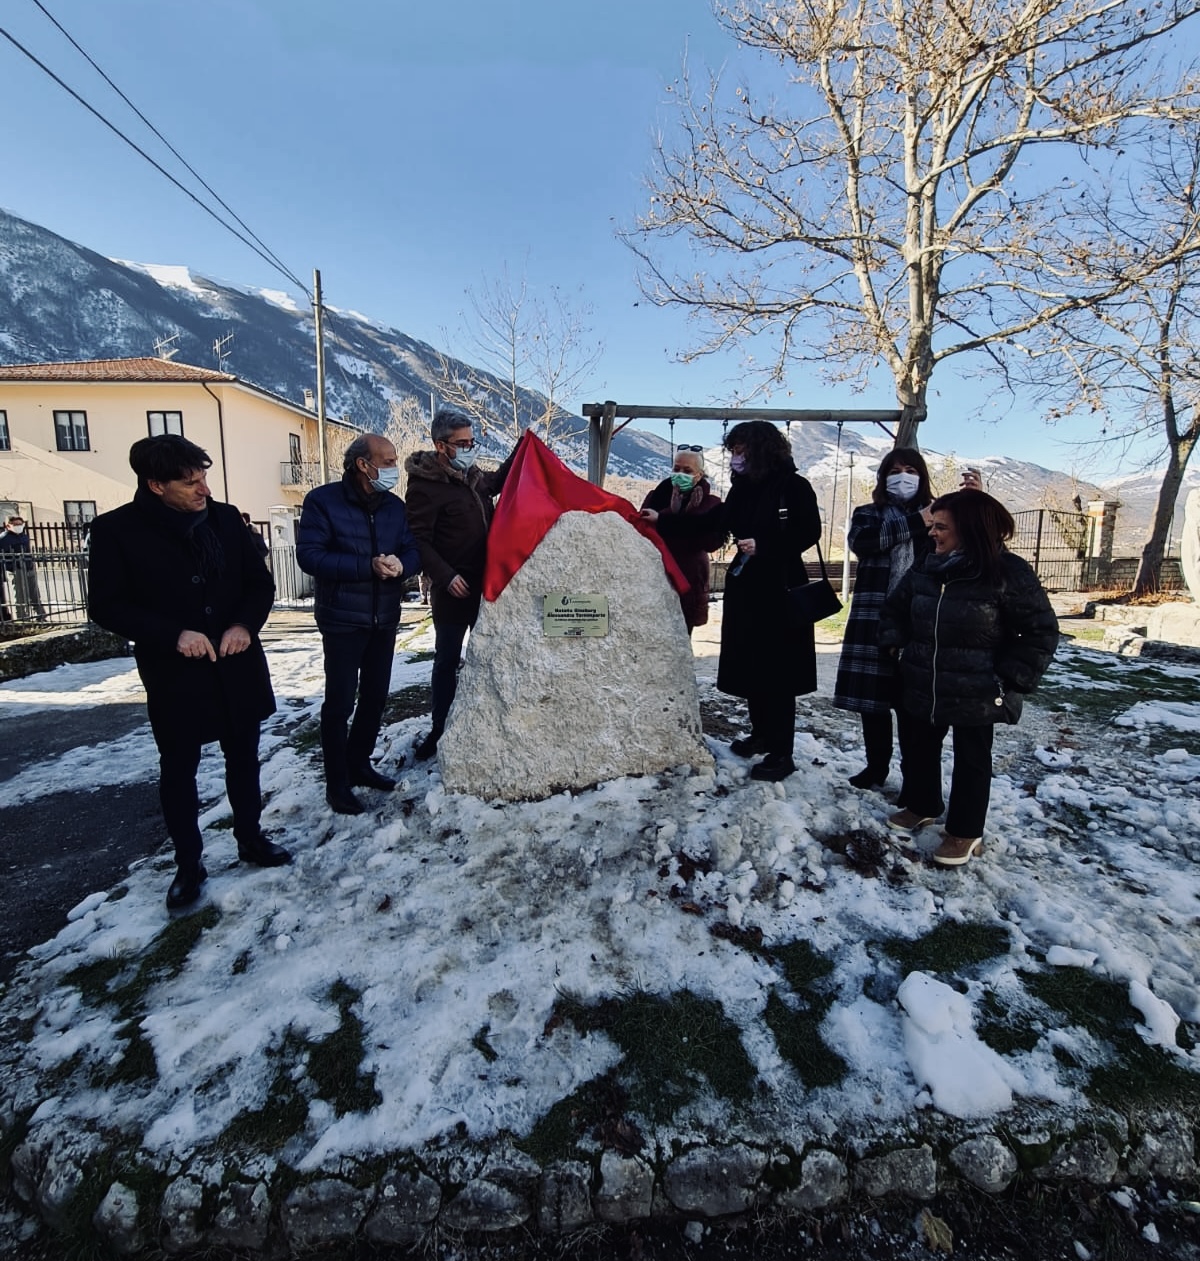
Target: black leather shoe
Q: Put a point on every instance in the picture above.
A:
(262, 852)
(869, 777)
(427, 747)
(774, 768)
(343, 801)
(185, 888)
(369, 777)
(748, 746)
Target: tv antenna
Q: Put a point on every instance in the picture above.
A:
(163, 347)
(221, 349)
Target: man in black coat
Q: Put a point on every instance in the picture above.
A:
(175, 572)
(354, 539)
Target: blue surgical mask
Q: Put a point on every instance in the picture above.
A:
(682, 481)
(463, 458)
(386, 479)
(737, 463)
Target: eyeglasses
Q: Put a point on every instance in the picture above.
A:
(464, 444)
(684, 447)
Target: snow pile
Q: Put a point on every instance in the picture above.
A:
(459, 925)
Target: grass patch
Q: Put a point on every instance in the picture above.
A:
(283, 1113)
(1135, 1075)
(415, 658)
(668, 1045)
(802, 965)
(799, 1041)
(223, 824)
(949, 947)
(1004, 1030)
(93, 979)
(307, 737)
(335, 1063)
(597, 1105)
(137, 1062)
(414, 701)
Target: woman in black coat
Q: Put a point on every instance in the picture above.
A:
(772, 514)
(975, 631)
(887, 536)
(688, 517)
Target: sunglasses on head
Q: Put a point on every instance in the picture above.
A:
(685, 447)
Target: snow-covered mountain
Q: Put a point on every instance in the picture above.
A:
(60, 302)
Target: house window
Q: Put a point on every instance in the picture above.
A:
(71, 431)
(297, 460)
(5, 440)
(79, 512)
(164, 422)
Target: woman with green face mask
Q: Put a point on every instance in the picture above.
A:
(686, 513)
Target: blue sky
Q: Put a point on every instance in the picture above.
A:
(410, 151)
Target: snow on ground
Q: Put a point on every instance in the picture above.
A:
(455, 918)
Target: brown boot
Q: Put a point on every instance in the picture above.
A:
(954, 851)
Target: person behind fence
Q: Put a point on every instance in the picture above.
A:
(450, 505)
(687, 514)
(886, 536)
(16, 557)
(174, 572)
(355, 540)
(772, 514)
(260, 545)
(974, 632)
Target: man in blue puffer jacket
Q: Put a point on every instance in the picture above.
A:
(354, 539)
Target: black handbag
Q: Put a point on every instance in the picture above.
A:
(813, 601)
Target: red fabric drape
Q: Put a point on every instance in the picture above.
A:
(538, 490)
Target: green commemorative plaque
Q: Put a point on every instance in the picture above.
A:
(567, 616)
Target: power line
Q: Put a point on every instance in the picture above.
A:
(187, 165)
(261, 252)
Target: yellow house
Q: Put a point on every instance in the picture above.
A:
(66, 430)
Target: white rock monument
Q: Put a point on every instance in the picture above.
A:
(1179, 623)
(579, 672)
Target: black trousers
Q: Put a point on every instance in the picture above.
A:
(358, 673)
(877, 741)
(180, 801)
(447, 649)
(970, 778)
(773, 720)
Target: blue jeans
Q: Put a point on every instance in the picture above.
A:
(358, 663)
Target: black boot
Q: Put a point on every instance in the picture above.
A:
(343, 801)
(185, 888)
(870, 777)
(368, 777)
(427, 747)
(773, 768)
(748, 746)
(262, 852)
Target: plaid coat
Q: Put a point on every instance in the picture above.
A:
(866, 677)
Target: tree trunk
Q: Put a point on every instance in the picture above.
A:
(1149, 572)
(910, 417)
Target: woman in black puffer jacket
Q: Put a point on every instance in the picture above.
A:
(974, 630)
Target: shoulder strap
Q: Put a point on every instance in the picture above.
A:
(783, 519)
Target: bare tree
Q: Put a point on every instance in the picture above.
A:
(533, 352)
(889, 203)
(1133, 359)
(407, 428)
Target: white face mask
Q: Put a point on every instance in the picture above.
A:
(13, 528)
(902, 485)
(463, 458)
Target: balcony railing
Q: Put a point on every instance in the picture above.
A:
(300, 473)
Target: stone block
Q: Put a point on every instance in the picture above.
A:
(715, 1181)
(985, 1162)
(116, 1221)
(535, 714)
(408, 1201)
(485, 1205)
(323, 1213)
(1177, 623)
(243, 1217)
(823, 1181)
(565, 1202)
(1166, 1150)
(1089, 1159)
(626, 1189)
(181, 1208)
(910, 1172)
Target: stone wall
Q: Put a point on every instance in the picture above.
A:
(45, 651)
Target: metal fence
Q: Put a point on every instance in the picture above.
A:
(44, 587)
(1060, 546)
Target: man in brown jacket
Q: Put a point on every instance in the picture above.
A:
(450, 508)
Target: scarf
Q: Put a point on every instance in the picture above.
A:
(900, 558)
(694, 499)
(192, 527)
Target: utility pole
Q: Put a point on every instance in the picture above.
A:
(846, 536)
(317, 310)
